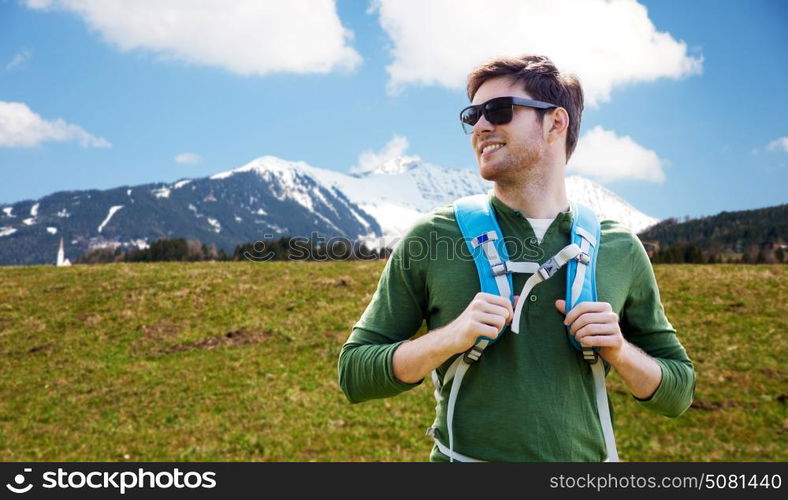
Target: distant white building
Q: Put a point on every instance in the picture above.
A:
(61, 256)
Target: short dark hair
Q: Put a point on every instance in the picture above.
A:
(542, 81)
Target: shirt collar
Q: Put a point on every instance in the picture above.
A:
(564, 218)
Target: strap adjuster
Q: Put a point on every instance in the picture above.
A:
(484, 238)
(500, 269)
(583, 258)
(590, 355)
(548, 269)
(473, 354)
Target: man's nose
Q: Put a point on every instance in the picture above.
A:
(482, 125)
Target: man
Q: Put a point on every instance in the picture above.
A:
(531, 396)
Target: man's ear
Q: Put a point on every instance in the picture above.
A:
(558, 124)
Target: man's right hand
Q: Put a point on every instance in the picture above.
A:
(486, 316)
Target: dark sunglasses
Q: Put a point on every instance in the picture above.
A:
(497, 111)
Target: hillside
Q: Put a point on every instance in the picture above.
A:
(237, 362)
(753, 235)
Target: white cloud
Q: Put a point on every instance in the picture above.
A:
(391, 158)
(21, 127)
(605, 157)
(606, 43)
(19, 59)
(249, 37)
(188, 158)
(780, 144)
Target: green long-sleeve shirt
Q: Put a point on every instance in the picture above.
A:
(531, 396)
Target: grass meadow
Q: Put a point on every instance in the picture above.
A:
(236, 361)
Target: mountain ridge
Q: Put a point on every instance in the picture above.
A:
(266, 198)
(426, 186)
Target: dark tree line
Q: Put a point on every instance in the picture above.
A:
(310, 250)
(691, 253)
(179, 249)
(748, 236)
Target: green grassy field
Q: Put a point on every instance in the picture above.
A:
(237, 362)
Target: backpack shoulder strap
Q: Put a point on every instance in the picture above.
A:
(581, 287)
(581, 272)
(483, 236)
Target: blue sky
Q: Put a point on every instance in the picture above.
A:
(686, 101)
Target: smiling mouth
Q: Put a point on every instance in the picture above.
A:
(490, 148)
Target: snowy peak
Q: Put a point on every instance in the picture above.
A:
(606, 204)
(294, 181)
(400, 189)
(391, 166)
(265, 166)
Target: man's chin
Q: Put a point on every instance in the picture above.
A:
(490, 172)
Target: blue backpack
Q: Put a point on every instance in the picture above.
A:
(484, 238)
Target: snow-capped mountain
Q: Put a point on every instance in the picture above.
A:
(400, 190)
(226, 211)
(266, 198)
(606, 204)
(396, 194)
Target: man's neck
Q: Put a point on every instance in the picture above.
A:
(541, 196)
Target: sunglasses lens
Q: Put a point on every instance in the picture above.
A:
(498, 112)
(469, 117)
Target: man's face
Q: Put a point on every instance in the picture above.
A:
(504, 151)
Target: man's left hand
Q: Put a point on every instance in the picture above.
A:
(595, 324)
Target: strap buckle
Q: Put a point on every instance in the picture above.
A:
(499, 269)
(583, 258)
(472, 355)
(590, 355)
(548, 269)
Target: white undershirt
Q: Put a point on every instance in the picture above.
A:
(540, 227)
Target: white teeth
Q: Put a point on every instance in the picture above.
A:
(491, 147)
